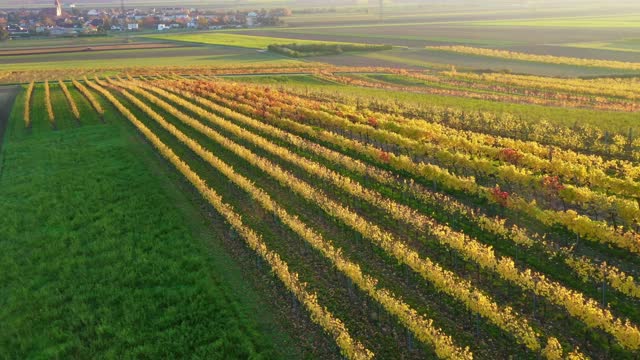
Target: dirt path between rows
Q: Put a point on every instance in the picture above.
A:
(7, 97)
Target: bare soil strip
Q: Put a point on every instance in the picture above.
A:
(70, 49)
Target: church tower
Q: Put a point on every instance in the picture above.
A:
(58, 8)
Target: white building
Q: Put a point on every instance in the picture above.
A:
(252, 19)
(132, 27)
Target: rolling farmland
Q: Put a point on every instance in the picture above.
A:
(392, 229)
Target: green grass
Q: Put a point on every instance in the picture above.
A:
(103, 256)
(237, 40)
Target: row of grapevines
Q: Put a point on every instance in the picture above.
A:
(27, 105)
(584, 267)
(350, 348)
(574, 302)
(89, 96)
(48, 105)
(421, 326)
(70, 101)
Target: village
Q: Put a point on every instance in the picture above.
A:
(69, 20)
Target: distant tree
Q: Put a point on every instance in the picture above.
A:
(4, 34)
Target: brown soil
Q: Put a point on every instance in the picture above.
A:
(90, 48)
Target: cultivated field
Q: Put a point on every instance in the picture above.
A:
(471, 190)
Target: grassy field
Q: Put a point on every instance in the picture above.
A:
(103, 255)
(235, 40)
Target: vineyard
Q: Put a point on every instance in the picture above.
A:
(402, 232)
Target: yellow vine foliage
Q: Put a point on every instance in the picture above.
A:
(27, 105)
(47, 103)
(89, 96)
(70, 101)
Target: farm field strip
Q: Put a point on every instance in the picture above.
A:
(350, 347)
(594, 230)
(619, 280)
(635, 66)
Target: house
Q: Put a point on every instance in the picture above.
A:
(252, 19)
